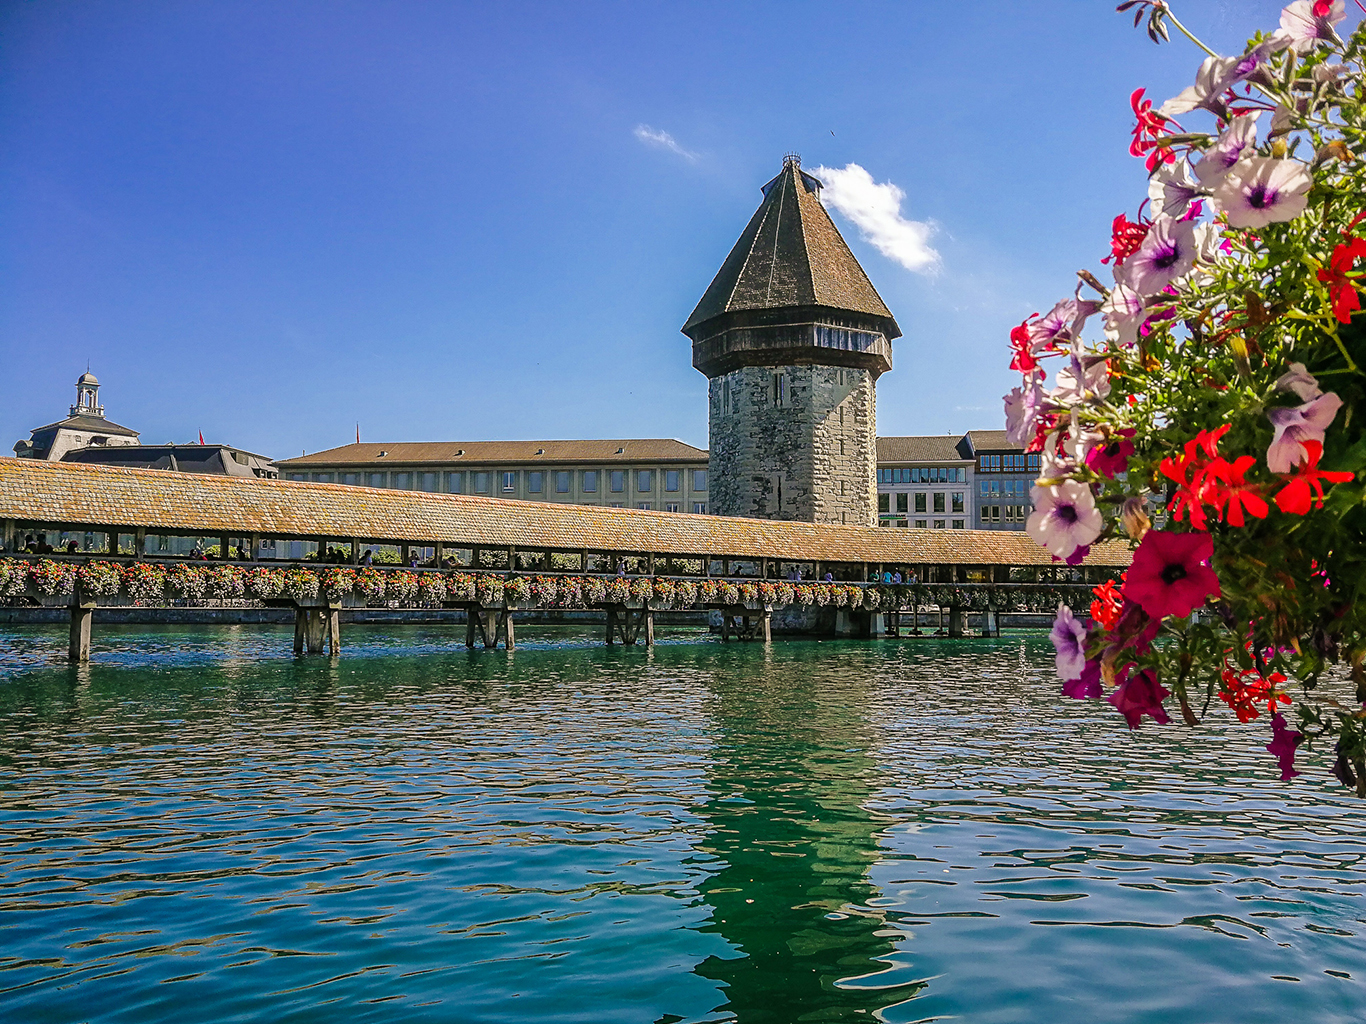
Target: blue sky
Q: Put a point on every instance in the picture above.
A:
(456, 221)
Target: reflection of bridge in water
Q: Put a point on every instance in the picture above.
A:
(117, 510)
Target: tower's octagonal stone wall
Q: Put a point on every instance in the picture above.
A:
(795, 443)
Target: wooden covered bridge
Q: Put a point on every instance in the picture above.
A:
(474, 535)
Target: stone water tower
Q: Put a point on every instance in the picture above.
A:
(792, 337)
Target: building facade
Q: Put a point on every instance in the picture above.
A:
(1004, 472)
(792, 337)
(652, 473)
(924, 483)
(85, 426)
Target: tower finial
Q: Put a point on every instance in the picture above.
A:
(792, 160)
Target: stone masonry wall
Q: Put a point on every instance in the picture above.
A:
(811, 457)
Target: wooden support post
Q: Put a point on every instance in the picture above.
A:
(224, 549)
(549, 563)
(955, 622)
(763, 568)
(7, 541)
(254, 551)
(725, 626)
(512, 558)
(355, 551)
(650, 563)
(611, 625)
(78, 651)
(706, 566)
(649, 626)
(300, 629)
(470, 614)
(334, 630)
(438, 553)
(403, 554)
(140, 542)
(768, 626)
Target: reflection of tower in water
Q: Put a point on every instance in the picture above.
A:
(791, 775)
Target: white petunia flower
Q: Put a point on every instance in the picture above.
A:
(1263, 190)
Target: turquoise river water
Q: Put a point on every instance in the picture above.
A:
(198, 827)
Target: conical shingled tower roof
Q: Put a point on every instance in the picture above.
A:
(791, 255)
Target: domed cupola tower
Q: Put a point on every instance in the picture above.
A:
(793, 336)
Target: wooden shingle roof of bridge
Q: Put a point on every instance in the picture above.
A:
(76, 496)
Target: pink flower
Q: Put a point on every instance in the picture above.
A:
(1113, 458)
(1305, 22)
(1023, 406)
(1263, 190)
(1170, 573)
(1308, 422)
(1138, 695)
(1172, 189)
(1299, 380)
(1086, 686)
(1283, 744)
(1064, 518)
(1069, 640)
(1238, 138)
(1054, 327)
(1166, 255)
(1123, 312)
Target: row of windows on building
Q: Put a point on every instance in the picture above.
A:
(923, 475)
(506, 481)
(1003, 513)
(991, 488)
(1007, 463)
(939, 501)
(926, 524)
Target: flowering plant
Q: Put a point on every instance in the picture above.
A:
(618, 589)
(664, 594)
(516, 589)
(185, 581)
(263, 583)
(144, 582)
(53, 578)
(707, 590)
(401, 586)
(370, 585)
(337, 583)
(594, 590)
(489, 590)
(749, 592)
(224, 582)
(728, 593)
(642, 588)
(685, 594)
(299, 584)
(544, 590)
(100, 579)
(460, 586)
(431, 588)
(1210, 418)
(13, 577)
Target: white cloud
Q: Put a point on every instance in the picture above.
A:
(663, 140)
(876, 211)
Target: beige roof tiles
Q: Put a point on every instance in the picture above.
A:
(98, 496)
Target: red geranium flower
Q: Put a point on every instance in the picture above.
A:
(1342, 288)
(1105, 608)
(1225, 486)
(1306, 488)
(1023, 347)
(1170, 574)
(1148, 127)
(1125, 237)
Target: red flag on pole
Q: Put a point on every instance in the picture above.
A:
(357, 433)
(201, 437)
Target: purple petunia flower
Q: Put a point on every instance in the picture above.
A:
(1086, 686)
(1216, 76)
(1299, 380)
(1138, 695)
(1263, 190)
(1023, 406)
(1055, 327)
(1166, 255)
(1238, 138)
(1123, 312)
(1069, 640)
(1171, 189)
(1294, 426)
(1282, 746)
(1303, 29)
(1064, 518)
